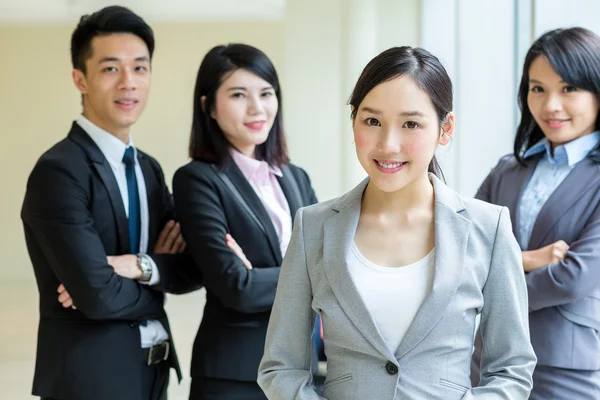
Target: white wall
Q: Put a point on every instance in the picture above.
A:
(475, 40)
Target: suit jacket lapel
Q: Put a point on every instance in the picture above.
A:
(511, 191)
(339, 232)
(254, 206)
(107, 177)
(582, 178)
(290, 190)
(451, 237)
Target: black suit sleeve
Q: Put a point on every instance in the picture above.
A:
(312, 197)
(204, 226)
(178, 272)
(56, 212)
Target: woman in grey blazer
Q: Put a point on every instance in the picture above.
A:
(551, 184)
(399, 267)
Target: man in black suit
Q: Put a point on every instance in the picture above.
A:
(98, 220)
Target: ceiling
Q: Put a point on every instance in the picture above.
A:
(69, 11)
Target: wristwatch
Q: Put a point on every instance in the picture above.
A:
(143, 262)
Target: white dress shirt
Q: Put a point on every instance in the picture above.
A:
(113, 150)
(392, 295)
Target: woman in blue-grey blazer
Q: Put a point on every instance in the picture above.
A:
(399, 267)
(551, 184)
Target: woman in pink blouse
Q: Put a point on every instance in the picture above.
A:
(235, 202)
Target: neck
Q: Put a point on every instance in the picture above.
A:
(249, 150)
(418, 195)
(120, 133)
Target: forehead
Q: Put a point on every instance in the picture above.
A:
(541, 69)
(244, 78)
(398, 95)
(124, 46)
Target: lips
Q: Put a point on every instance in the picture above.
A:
(389, 166)
(255, 125)
(555, 123)
(126, 103)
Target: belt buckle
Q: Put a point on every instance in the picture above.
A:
(151, 352)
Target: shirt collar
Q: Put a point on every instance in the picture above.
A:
(571, 153)
(112, 148)
(251, 167)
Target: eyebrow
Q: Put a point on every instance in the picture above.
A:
(116, 59)
(246, 89)
(402, 114)
(540, 83)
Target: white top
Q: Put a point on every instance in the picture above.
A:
(392, 295)
(113, 150)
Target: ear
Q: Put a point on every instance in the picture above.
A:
(447, 129)
(203, 102)
(80, 81)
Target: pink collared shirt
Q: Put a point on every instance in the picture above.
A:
(262, 178)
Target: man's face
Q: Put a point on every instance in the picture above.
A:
(116, 83)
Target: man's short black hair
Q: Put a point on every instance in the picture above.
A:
(109, 20)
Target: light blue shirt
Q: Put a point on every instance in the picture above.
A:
(548, 175)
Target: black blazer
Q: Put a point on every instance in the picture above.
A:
(210, 203)
(73, 217)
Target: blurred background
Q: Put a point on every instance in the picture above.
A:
(319, 48)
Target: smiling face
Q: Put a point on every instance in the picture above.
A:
(562, 111)
(116, 83)
(396, 132)
(245, 109)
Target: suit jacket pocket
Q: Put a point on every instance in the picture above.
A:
(335, 381)
(454, 386)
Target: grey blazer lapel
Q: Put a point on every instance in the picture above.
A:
(582, 178)
(339, 232)
(451, 236)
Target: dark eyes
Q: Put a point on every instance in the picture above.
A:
(372, 122)
(239, 95)
(566, 89)
(411, 125)
(408, 124)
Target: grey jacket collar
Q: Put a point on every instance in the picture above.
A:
(451, 236)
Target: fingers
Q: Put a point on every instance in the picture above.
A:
(172, 238)
(61, 288)
(65, 299)
(165, 232)
(232, 244)
(560, 248)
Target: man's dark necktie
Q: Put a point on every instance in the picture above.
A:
(134, 201)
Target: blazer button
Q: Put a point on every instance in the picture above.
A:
(391, 368)
(133, 325)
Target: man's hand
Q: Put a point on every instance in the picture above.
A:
(125, 266)
(170, 240)
(64, 297)
(551, 254)
(232, 244)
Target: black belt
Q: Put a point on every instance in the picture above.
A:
(157, 353)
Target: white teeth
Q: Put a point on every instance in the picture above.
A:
(126, 102)
(390, 166)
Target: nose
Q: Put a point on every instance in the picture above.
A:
(127, 81)
(552, 103)
(255, 105)
(390, 141)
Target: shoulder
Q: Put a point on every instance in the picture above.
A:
(65, 157)
(482, 213)
(153, 161)
(506, 162)
(197, 168)
(298, 173)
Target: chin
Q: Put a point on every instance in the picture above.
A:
(388, 184)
